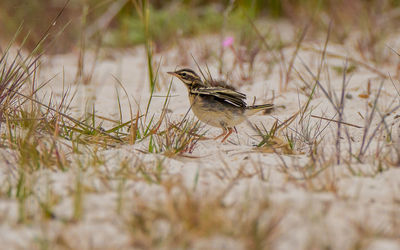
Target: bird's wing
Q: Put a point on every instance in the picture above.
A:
(228, 95)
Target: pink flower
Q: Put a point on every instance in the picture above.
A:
(227, 42)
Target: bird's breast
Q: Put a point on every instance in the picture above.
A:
(214, 112)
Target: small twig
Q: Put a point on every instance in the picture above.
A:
(341, 108)
(332, 120)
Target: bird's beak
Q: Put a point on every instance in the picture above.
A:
(172, 73)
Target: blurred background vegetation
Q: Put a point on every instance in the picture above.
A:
(118, 24)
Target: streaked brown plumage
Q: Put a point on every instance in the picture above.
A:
(218, 106)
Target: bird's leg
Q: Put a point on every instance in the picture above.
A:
(224, 130)
(230, 130)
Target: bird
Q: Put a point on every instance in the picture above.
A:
(218, 106)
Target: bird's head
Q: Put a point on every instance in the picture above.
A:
(187, 76)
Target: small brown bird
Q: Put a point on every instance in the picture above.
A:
(218, 106)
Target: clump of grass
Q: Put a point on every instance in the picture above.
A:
(15, 71)
(187, 218)
(26, 122)
(369, 133)
(267, 136)
(178, 138)
(272, 139)
(307, 132)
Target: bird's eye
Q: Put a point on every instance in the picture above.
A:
(183, 74)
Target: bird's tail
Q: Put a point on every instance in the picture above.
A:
(251, 110)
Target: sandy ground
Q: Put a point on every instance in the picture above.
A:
(266, 195)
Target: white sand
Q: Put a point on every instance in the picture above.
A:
(342, 207)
